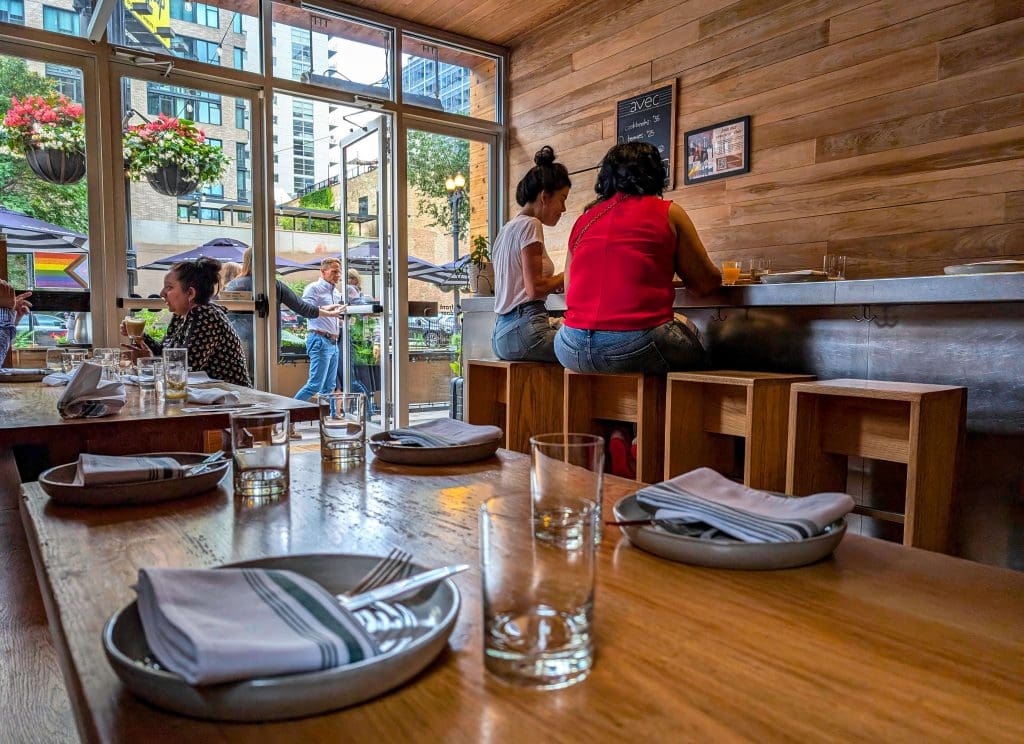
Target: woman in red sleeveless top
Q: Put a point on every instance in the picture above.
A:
(623, 253)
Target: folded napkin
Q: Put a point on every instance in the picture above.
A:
(218, 625)
(194, 378)
(445, 433)
(57, 379)
(21, 371)
(209, 396)
(87, 396)
(705, 496)
(100, 470)
(799, 272)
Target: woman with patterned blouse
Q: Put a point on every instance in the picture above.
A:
(198, 325)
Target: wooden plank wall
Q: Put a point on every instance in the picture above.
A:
(890, 131)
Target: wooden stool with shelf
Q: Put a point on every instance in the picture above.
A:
(631, 398)
(523, 398)
(707, 411)
(918, 425)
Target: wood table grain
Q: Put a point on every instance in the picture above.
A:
(879, 642)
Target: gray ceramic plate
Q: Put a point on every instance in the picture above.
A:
(57, 483)
(986, 267)
(725, 553)
(385, 448)
(794, 278)
(412, 633)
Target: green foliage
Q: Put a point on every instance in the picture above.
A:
(17, 269)
(312, 225)
(297, 286)
(22, 339)
(171, 141)
(432, 159)
(321, 199)
(456, 344)
(292, 343)
(156, 323)
(481, 253)
(362, 340)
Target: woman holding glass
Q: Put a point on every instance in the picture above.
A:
(198, 325)
(623, 254)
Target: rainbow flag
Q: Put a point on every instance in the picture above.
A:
(61, 270)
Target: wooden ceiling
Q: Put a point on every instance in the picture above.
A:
(504, 22)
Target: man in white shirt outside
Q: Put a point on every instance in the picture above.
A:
(322, 333)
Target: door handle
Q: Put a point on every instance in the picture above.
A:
(262, 305)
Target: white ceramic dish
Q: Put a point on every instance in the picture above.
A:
(414, 632)
(794, 277)
(724, 553)
(987, 267)
(387, 449)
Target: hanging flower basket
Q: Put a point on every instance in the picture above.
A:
(56, 166)
(171, 181)
(50, 132)
(173, 155)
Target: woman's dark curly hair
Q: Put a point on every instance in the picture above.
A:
(201, 274)
(546, 175)
(631, 168)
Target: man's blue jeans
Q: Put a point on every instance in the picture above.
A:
(323, 366)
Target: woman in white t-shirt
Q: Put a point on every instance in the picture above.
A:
(524, 275)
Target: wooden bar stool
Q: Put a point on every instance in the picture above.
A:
(706, 411)
(633, 398)
(918, 425)
(523, 398)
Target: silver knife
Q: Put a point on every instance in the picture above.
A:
(403, 586)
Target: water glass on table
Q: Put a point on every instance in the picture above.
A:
(563, 469)
(342, 426)
(107, 358)
(538, 591)
(151, 372)
(259, 449)
(834, 266)
(175, 374)
(72, 359)
(54, 360)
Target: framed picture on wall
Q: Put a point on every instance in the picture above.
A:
(718, 151)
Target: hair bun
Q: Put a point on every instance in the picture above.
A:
(544, 156)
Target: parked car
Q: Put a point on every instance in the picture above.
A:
(433, 331)
(46, 329)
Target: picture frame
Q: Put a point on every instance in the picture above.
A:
(718, 151)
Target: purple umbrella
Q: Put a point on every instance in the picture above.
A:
(222, 249)
(27, 233)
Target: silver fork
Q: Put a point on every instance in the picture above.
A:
(394, 566)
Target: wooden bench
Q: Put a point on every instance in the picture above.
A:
(523, 398)
(707, 411)
(918, 425)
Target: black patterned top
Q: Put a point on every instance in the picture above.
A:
(213, 346)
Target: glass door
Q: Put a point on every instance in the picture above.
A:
(367, 360)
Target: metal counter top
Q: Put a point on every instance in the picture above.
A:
(918, 290)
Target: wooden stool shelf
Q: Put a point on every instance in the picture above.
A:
(706, 411)
(632, 398)
(523, 398)
(920, 426)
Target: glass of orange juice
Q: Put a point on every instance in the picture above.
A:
(730, 272)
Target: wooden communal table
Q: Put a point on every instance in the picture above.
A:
(880, 642)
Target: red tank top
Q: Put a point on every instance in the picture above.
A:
(620, 271)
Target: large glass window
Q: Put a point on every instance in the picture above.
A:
(60, 20)
(69, 17)
(67, 81)
(204, 15)
(448, 79)
(186, 103)
(12, 11)
(328, 49)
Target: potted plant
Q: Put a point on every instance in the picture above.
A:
(50, 132)
(173, 155)
(481, 270)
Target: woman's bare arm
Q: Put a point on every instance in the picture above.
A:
(693, 264)
(537, 286)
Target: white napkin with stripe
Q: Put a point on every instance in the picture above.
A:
(211, 396)
(88, 396)
(707, 497)
(100, 470)
(220, 625)
(445, 432)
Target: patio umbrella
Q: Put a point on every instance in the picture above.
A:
(222, 249)
(26, 233)
(364, 257)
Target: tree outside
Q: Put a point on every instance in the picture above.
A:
(432, 158)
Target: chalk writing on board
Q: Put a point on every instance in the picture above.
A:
(650, 117)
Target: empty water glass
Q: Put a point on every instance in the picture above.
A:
(72, 359)
(259, 448)
(151, 371)
(54, 360)
(564, 468)
(835, 266)
(342, 426)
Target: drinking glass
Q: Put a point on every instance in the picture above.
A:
(565, 468)
(54, 360)
(124, 362)
(835, 266)
(151, 369)
(135, 327)
(72, 359)
(730, 272)
(175, 374)
(259, 448)
(107, 358)
(538, 591)
(342, 426)
(759, 267)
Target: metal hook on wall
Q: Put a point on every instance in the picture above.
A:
(717, 315)
(866, 316)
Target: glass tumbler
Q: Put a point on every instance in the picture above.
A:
(342, 426)
(259, 450)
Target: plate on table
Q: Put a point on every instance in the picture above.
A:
(794, 277)
(9, 374)
(411, 634)
(58, 484)
(724, 552)
(389, 450)
(986, 267)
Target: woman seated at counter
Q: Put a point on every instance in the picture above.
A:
(523, 274)
(198, 325)
(623, 253)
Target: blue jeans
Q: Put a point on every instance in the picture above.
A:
(323, 366)
(524, 334)
(669, 347)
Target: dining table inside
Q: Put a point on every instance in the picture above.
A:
(878, 641)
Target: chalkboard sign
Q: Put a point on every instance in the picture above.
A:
(650, 117)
